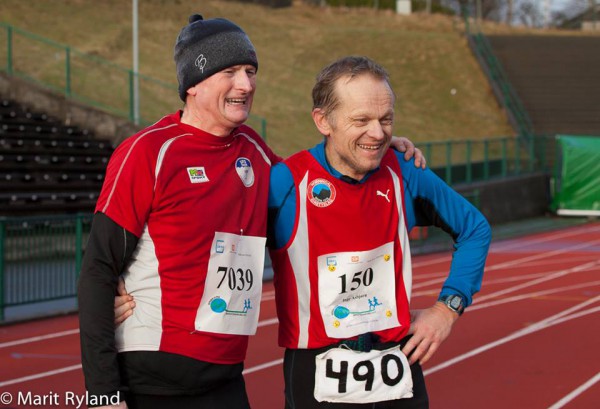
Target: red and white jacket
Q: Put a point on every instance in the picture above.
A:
(174, 187)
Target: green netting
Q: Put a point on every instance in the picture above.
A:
(577, 181)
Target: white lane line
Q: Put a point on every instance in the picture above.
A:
(519, 242)
(542, 255)
(437, 260)
(568, 258)
(274, 320)
(262, 366)
(561, 403)
(39, 338)
(75, 367)
(430, 282)
(263, 323)
(543, 324)
(510, 279)
(480, 306)
(271, 321)
(40, 375)
(78, 366)
(477, 351)
(550, 276)
(548, 322)
(512, 263)
(513, 243)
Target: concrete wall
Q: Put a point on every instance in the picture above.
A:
(513, 198)
(37, 98)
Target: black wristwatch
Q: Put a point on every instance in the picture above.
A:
(454, 302)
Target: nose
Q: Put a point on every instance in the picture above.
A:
(376, 130)
(243, 81)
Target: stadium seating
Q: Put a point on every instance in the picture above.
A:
(557, 79)
(47, 167)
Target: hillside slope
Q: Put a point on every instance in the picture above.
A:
(427, 57)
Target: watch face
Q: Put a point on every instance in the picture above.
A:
(455, 302)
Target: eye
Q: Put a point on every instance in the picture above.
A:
(251, 72)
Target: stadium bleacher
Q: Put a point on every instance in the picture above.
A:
(556, 77)
(47, 166)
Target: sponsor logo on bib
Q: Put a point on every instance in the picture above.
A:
(197, 175)
(321, 192)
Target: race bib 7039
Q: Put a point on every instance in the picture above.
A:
(231, 300)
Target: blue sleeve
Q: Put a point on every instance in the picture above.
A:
(282, 206)
(429, 201)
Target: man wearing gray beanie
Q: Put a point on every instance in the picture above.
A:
(176, 196)
(205, 47)
(178, 199)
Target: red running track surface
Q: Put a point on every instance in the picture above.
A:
(530, 340)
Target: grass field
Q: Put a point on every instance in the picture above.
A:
(427, 57)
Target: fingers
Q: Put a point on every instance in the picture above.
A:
(122, 317)
(409, 151)
(429, 328)
(121, 300)
(123, 312)
(420, 349)
(420, 161)
(415, 349)
(124, 305)
(430, 351)
(408, 349)
(121, 290)
(402, 144)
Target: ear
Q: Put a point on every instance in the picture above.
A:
(320, 120)
(192, 91)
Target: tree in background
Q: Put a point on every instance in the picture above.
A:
(571, 15)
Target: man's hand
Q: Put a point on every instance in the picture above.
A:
(124, 304)
(402, 144)
(429, 328)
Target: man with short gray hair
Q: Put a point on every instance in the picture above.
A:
(339, 217)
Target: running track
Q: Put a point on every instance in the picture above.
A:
(531, 339)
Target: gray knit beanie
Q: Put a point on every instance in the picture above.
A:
(205, 47)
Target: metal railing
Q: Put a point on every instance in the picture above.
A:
(503, 89)
(90, 79)
(501, 85)
(467, 161)
(40, 258)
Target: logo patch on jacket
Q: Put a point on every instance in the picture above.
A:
(197, 175)
(321, 192)
(243, 167)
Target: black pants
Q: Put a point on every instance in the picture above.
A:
(230, 395)
(299, 372)
(161, 380)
